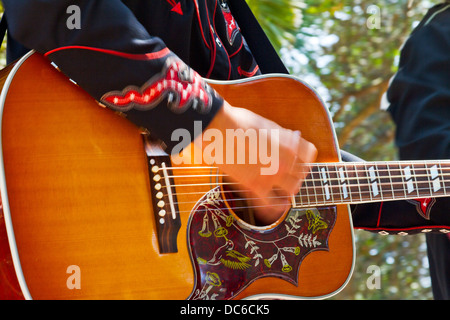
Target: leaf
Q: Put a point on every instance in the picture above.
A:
(257, 256)
(250, 242)
(254, 249)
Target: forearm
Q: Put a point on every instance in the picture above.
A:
(110, 53)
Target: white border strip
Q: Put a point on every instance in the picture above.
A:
(3, 191)
(436, 13)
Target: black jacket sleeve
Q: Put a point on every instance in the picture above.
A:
(112, 57)
(419, 97)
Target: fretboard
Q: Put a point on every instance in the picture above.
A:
(359, 182)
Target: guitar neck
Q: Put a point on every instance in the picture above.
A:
(362, 182)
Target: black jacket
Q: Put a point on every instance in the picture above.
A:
(123, 45)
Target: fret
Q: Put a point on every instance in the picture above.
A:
(374, 182)
(324, 181)
(353, 183)
(398, 181)
(435, 179)
(341, 183)
(335, 184)
(410, 180)
(306, 183)
(363, 182)
(445, 170)
(414, 177)
(317, 186)
(390, 180)
(385, 180)
(403, 184)
(421, 174)
(344, 184)
(444, 191)
(360, 180)
(303, 197)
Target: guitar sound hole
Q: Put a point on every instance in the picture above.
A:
(242, 208)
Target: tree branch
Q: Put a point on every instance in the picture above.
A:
(380, 88)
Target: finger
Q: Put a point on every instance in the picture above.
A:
(291, 183)
(307, 152)
(272, 207)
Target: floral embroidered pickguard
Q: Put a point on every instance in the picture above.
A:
(182, 86)
(228, 256)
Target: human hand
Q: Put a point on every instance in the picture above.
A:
(269, 189)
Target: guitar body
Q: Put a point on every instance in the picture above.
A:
(80, 219)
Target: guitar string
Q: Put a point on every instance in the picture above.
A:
(348, 180)
(330, 172)
(420, 185)
(205, 209)
(280, 205)
(319, 198)
(316, 195)
(359, 163)
(335, 197)
(388, 164)
(332, 179)
(338, 178)
(327, 169)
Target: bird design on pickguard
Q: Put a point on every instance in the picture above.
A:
(229, 255)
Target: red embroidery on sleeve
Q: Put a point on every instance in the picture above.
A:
(182, 86)
(248, 73)
(176, 6)
(232, 27)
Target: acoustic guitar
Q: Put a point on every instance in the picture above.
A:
(92, 209)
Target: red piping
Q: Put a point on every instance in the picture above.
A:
(134, 56)
(379, 214)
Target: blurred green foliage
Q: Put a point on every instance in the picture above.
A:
(348, 50)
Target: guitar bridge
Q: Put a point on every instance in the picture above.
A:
(165, 208)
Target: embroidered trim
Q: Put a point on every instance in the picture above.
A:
(232, 27)
(182, 86)
(411, 230)
(176, 6)
(423, 206)
(248, 73)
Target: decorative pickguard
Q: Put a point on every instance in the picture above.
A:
(228, 255)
